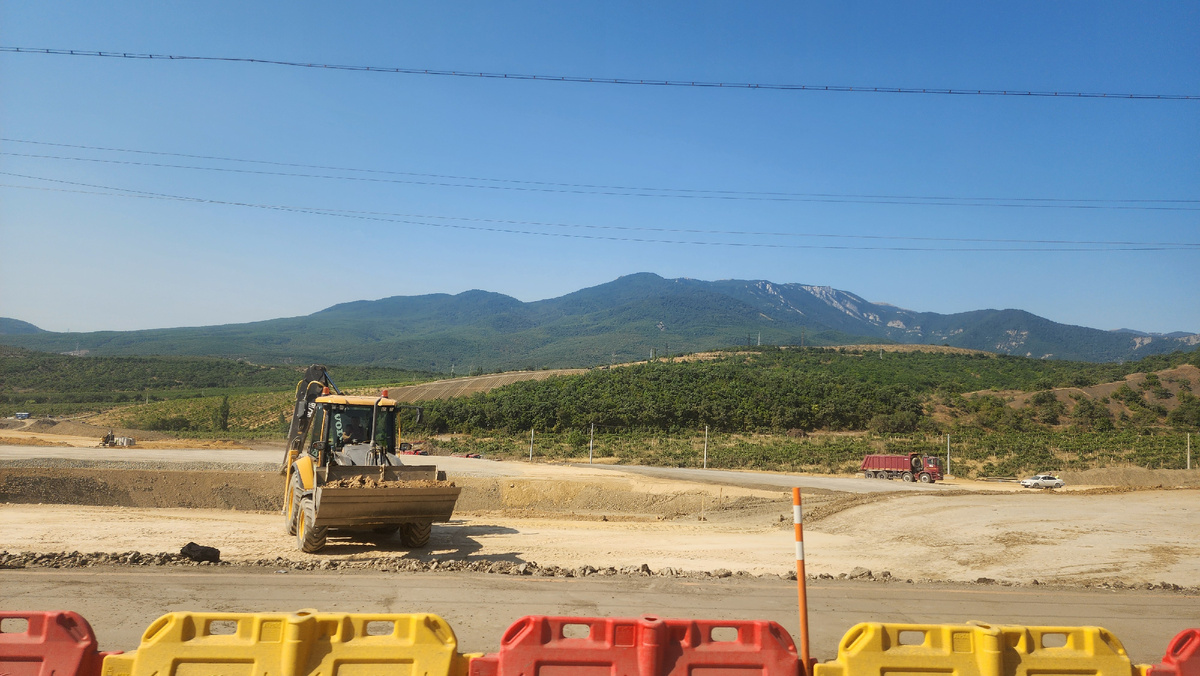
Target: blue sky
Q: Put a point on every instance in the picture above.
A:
(73, 261)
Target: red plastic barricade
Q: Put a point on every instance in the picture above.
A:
(648, 646)
(1182, 658)
(51, 643)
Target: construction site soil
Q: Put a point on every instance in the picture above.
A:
(563, 518)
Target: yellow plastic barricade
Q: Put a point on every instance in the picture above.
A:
(975, 649)
(304, 643)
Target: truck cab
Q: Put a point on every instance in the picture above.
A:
(349, 430)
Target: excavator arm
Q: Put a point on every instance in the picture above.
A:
(314, 383)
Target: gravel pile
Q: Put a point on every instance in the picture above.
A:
(400, 564)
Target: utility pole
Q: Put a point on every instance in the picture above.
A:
(947, 454)
(591, 438)
(530, 444)
(760, 339)
(706, 447)
(801, 336)
(1189, 460)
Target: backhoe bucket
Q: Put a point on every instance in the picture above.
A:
(384, 505)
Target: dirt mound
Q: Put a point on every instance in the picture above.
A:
(31, 441)
(368, 482)
(75, 428)
(1133, 476)
(121, 485)
(247, 491)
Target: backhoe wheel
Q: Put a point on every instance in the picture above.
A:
(309, 538)
(907, 477)
(291, 504)
(415, 535)
(925, 478)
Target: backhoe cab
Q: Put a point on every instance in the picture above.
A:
(346, 476)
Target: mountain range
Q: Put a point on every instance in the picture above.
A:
(618, 321)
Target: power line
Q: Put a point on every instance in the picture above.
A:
(594, 186)
(608, 80)
(612, 191)
(1075, 245)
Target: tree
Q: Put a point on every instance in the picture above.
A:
(1187, 415)
(221, 415)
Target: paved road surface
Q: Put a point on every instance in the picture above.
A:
(121, 602)
(141, 454)
(772, 480)
(486, 468)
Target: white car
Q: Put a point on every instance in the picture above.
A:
(1042, 481)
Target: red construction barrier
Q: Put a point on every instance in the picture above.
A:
(51, 643)
(590, 646)
(1182, 658)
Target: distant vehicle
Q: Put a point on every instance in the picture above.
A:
(22, 416)
(1042, 481)
(911, 467)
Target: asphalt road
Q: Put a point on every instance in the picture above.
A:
(772, 480)
(484, 468)
(121, 602)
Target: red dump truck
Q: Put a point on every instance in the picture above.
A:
(911, 467)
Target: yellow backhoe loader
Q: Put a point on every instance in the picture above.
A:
(345, 477)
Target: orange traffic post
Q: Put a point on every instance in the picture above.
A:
(798, 518)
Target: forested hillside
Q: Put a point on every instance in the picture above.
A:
(620, 321)
(771, 389)
(51, 383)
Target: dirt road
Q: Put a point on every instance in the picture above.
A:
(121, 603)
(567, 516)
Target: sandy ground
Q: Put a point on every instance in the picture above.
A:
(1020, 539)
(155, 500)
(604, 516)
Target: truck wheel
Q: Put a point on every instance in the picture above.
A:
(925, 478)
(310, 538)
(415, 535)
(291, 503)
(907, 476)
(869, 475)
(885, 475)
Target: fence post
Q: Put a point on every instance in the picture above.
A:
(591, 438)
(706, 447)
(530, 444)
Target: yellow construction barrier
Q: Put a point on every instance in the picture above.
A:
(975, 649)
(304, 643)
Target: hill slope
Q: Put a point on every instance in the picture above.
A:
(618, 321)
